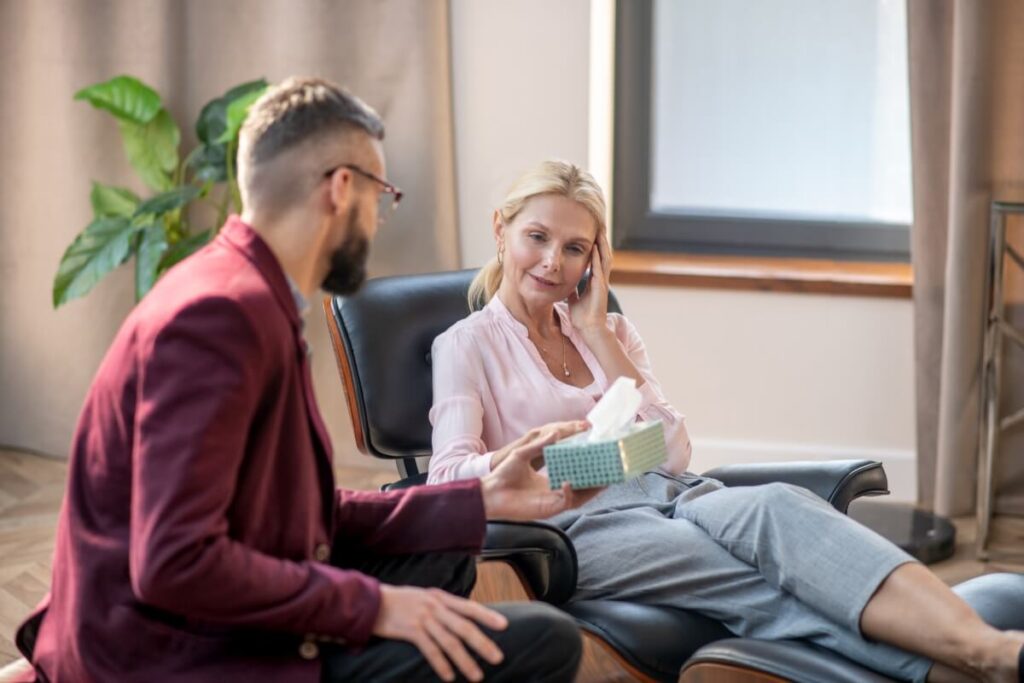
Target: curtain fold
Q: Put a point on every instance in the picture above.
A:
(393, 53)
(967, 122)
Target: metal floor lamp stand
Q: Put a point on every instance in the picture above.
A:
(997, 329)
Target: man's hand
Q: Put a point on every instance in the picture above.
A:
(440, 625)
(556, 428)
(515, 490)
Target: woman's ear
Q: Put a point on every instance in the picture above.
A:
(499, 227)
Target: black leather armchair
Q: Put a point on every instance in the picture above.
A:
(382, 338)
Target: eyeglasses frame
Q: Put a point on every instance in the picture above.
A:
(388, 188)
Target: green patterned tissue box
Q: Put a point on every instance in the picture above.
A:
(585, 465)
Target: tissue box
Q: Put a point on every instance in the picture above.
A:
(585, 465)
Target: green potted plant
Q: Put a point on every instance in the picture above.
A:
(156, 230)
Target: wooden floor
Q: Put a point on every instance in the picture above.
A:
(31, 488)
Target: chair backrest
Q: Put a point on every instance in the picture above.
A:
(382, 337)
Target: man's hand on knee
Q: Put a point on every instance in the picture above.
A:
(440, 625)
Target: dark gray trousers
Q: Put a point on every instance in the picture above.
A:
(540, 643)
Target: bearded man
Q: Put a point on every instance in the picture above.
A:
(202, 537)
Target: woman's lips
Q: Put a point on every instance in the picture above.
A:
(547, 284)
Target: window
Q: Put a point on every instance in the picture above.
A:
(766, 127)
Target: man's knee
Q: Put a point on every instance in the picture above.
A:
(540, 642)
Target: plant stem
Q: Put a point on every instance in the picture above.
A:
(175, 223)
(222, 211)
(233, 193)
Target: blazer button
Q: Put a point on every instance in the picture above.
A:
(322, 552)
(309, 650)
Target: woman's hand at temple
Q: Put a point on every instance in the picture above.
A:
(515, 490)
(589, 314)
(590, 311)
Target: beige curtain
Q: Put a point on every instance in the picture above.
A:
(967, 120)
(394, 53)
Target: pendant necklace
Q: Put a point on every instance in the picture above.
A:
(565, 366)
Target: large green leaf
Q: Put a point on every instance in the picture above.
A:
(208, 163)
(185, 248)
(103, 245)
(108, 200)
(209, 160)
(127, 98)
(152, 149)
(212, 121)
(237, 111)
(152, 245)
(160, 204)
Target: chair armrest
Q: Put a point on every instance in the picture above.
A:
(837, 481)
(542, 556)
(407, 483)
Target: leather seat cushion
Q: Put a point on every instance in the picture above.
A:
(655, 640)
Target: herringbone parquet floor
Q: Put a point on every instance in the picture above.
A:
(31, 488)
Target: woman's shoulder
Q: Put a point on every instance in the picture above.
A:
(472, 328)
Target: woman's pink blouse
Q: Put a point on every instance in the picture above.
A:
(491, 386)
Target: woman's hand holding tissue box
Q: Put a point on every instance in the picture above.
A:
(615, 448)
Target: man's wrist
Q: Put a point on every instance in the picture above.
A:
(488, 493)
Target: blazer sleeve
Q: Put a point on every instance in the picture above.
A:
(199, 385)
(421, 519)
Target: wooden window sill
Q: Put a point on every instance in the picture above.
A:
(889, 280)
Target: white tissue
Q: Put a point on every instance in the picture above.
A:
(615, 411)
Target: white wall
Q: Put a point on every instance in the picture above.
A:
(760, 376)
(519, 82)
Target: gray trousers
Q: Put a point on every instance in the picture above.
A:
(770, 562)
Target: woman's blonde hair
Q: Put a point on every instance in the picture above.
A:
(550, 177)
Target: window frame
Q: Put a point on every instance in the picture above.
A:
(639, 227)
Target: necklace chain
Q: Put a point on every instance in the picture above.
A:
(565, 366)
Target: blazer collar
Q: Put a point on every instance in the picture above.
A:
(238, 235)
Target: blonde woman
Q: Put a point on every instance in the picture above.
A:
(538, 352)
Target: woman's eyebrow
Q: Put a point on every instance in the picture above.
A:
(585, 241)
(537, 225)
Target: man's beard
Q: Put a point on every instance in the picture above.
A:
(348, 262)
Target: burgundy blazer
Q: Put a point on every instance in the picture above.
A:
(200, 511)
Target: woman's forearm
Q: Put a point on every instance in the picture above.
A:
(605, 346)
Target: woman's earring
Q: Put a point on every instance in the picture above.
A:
(501, 253)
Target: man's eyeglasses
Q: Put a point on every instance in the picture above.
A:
(389, 194)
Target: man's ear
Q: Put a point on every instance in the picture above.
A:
(340, 190)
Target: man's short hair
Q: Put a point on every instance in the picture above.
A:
(301, 109)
